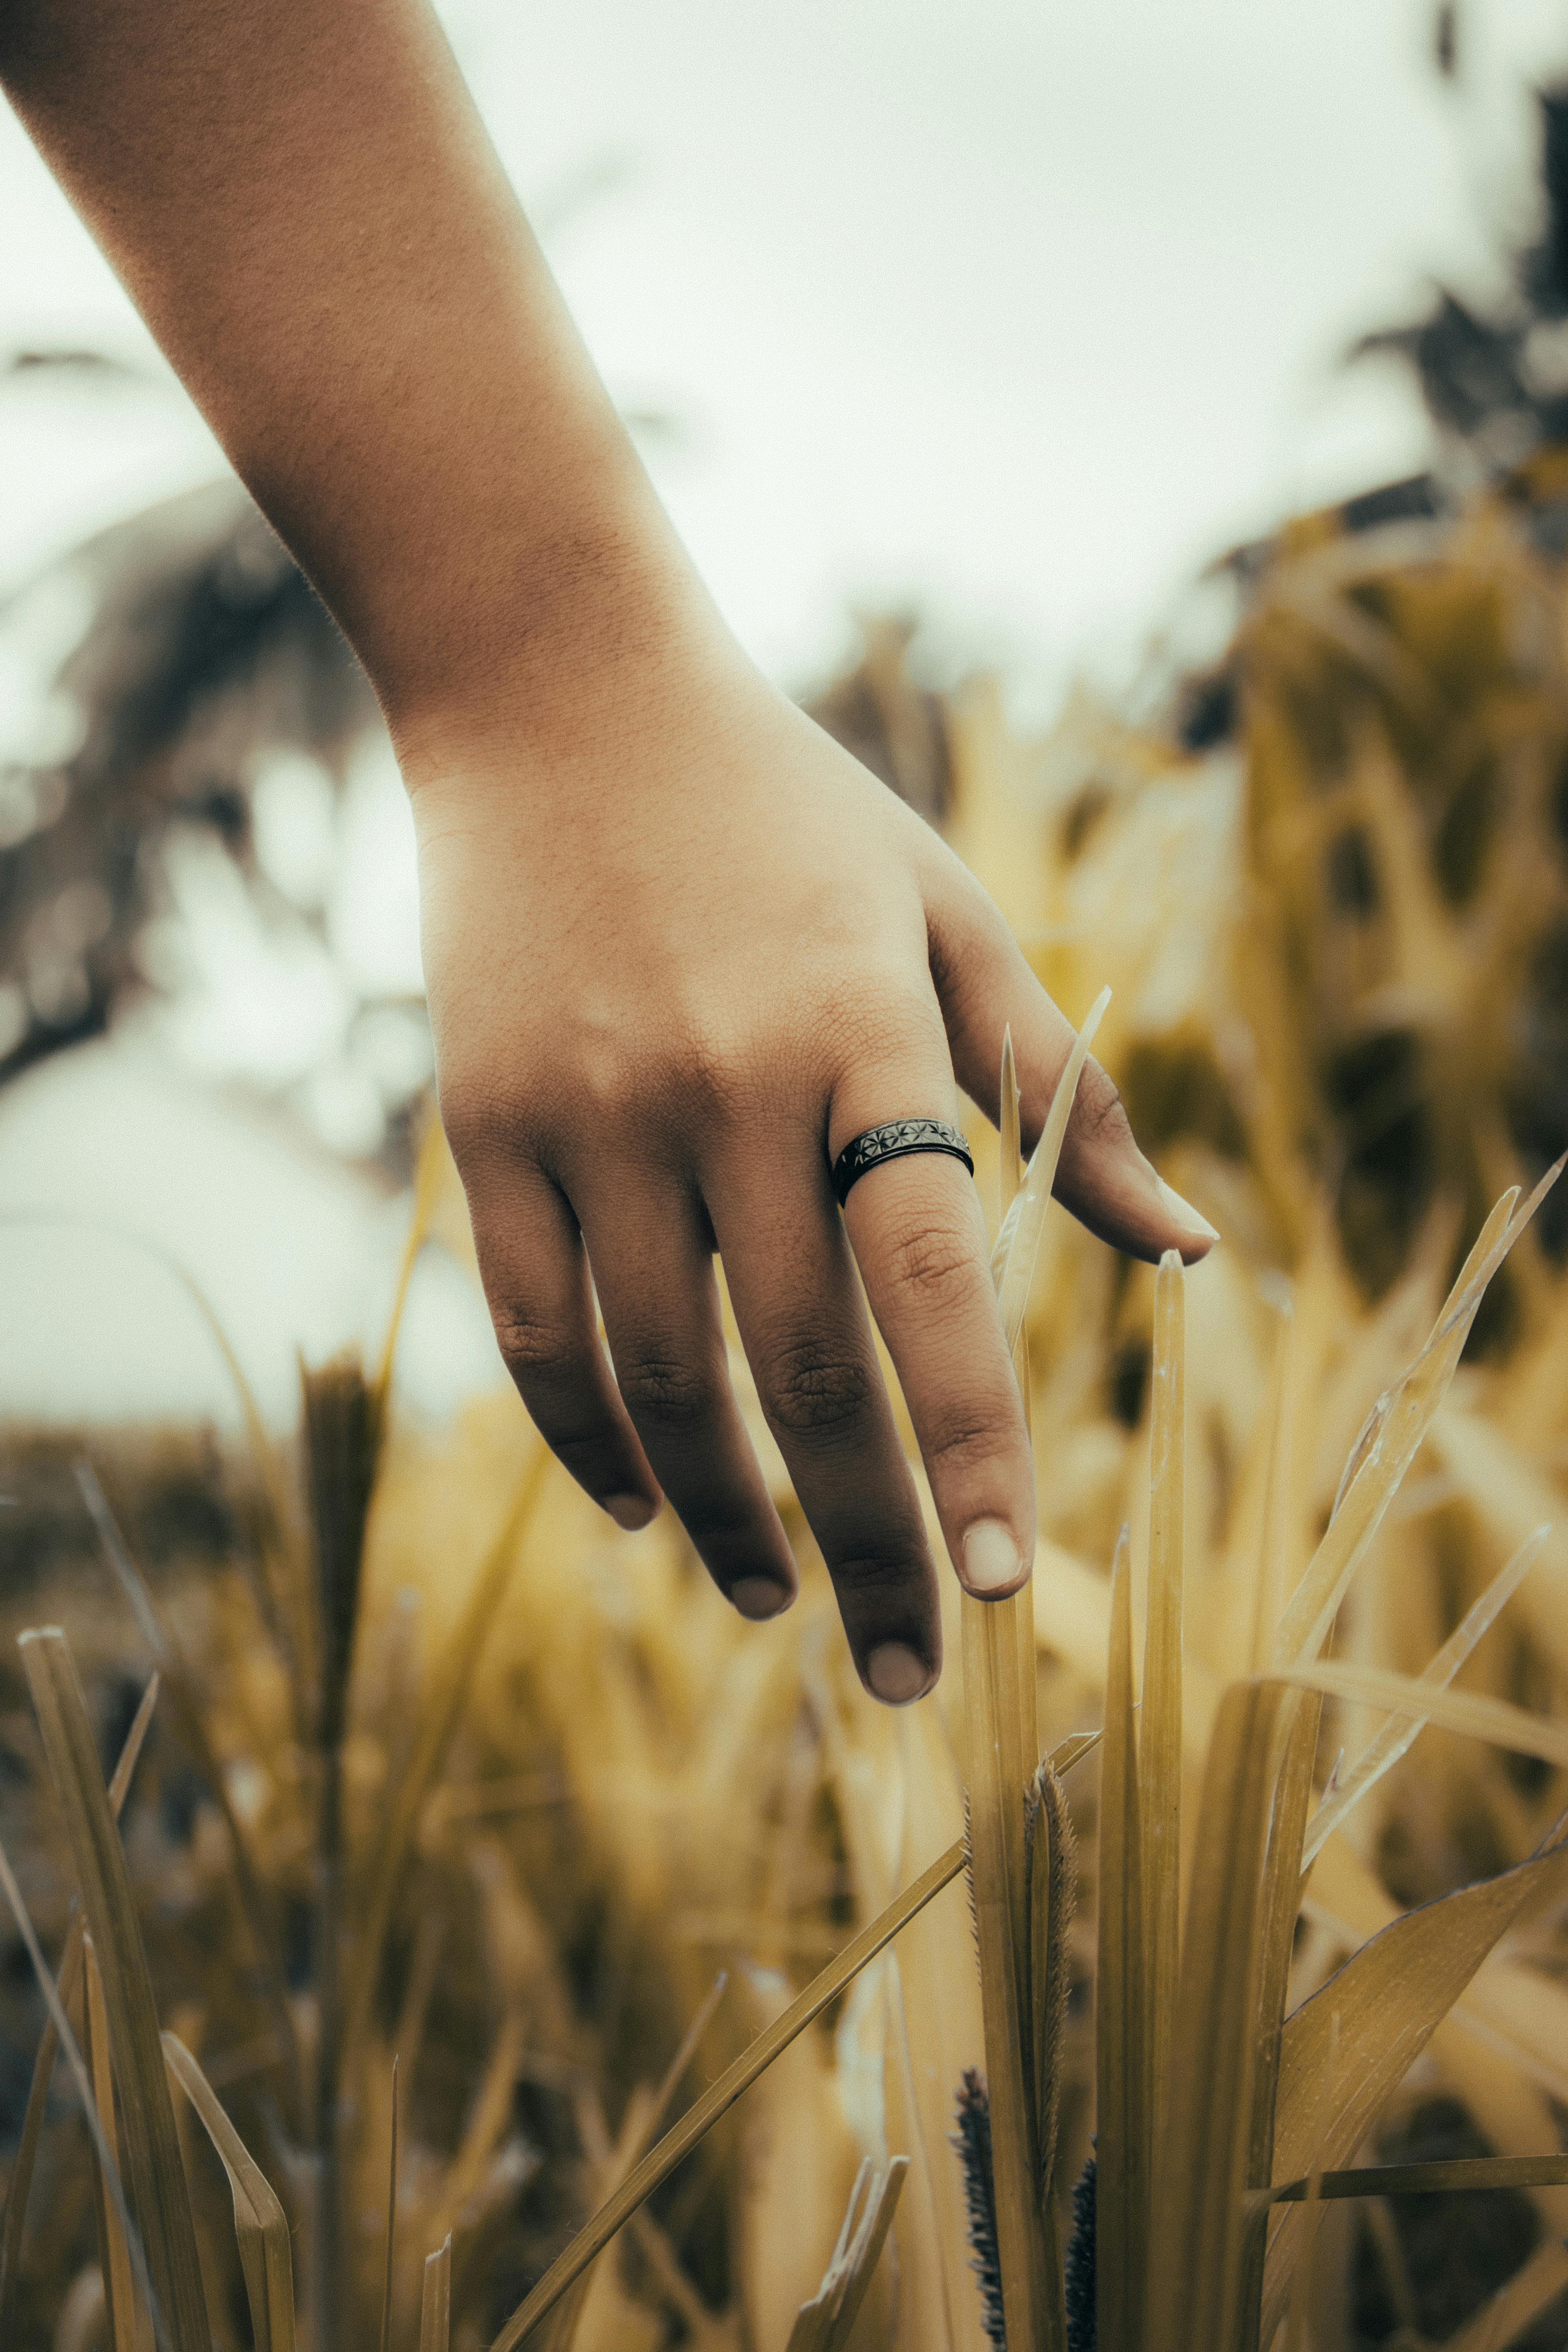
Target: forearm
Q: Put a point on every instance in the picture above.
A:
(307, 210)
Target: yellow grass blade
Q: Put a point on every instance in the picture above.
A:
(1394, 1433)
(1018, 1243)
(1493, 1719)
(391, 2221)
(185, 1700)
(113, 2250)
(260, 2225)
(23, 2164)
(1198, 2218)
(1440, 2178)
(1389, 1999)
(156, 2176)
(68, 2044)
(999, 1889)
(1122, 2009)
(435, 2306)
(1281, 1902)
(705, 2111)
(825, 2322)
(1159, 1731)
(440, 1717)
(1396, 1735)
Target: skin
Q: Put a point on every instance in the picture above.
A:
(679, 947)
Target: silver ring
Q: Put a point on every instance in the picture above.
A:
(892, 1141)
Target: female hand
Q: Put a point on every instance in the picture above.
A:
(679, 951)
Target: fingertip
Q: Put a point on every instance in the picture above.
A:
(1195, 1235)
(991, 1563)
(897, 1674)
(632, 1513)
(758, 1598)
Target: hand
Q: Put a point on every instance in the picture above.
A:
(678, 955)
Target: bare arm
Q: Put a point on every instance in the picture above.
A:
(681, 949)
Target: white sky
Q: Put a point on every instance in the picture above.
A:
(1017, 311)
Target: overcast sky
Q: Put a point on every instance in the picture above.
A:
(1017, 309)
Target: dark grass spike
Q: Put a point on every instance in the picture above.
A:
(971, 2139)
(1051, 1967)
(1082, 2327)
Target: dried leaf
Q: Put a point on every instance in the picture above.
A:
(260, 2225)
(19, 2185)
(1160, 1732)
(822, 2325)
(1122, 2117)
(436, 2305)
(156, 2176)
(1018, 1243)
(1197, 2219)
(113, 2250)
(1397, 1734)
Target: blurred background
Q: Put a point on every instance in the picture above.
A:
(1003, 319)
(1141, 434)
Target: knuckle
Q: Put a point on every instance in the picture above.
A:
(933, 1260)
(812, 1394)
(665, 1391)
(532, 1345)
(868, 1575)
(1098, 1108)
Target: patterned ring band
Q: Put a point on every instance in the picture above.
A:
(891, 1142)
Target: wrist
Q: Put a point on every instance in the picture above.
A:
(568, 624)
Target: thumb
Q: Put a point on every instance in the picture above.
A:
(984, 987)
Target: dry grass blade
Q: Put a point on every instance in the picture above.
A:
(1389, 1998)
(185, 1705)
(114, 2249)
(435, 2305)
(1493, 1719)
(67, 2042)
(156, 2175)
(1440, 2178)
(1395, 1433)
(1018, 1243)
(260, 2225)
(22, 2167)
(706, 2110)
(1198, 2218)
(1281, 1904)
(824, 2323)
(999, 1891)
(1394, 1740)
(1123, 2117)
(438, 1722)
(1160, 1734)
(391, 2223)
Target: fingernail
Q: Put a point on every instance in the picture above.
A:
(991, 1560)
(631, 1511)
(759, 1596)
(1184, 1212)
(896, 1674)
